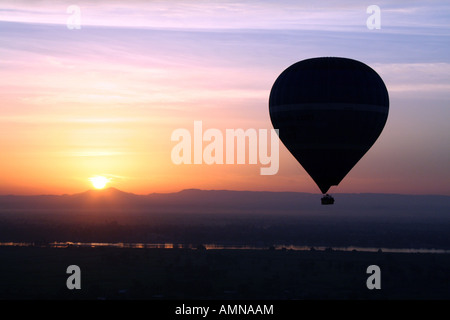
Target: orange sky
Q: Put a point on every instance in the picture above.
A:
(105, 100)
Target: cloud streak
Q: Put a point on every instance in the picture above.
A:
(280, 15)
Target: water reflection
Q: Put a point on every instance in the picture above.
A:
(216, 247)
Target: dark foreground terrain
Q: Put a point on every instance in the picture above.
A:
(128, 273)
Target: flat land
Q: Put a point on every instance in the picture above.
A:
(183, 274)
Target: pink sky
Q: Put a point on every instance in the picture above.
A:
(105, 100)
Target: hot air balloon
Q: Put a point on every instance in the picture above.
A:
(329, 112)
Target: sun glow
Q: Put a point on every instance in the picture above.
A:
(99, 182)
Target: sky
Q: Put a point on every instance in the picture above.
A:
(104, 98)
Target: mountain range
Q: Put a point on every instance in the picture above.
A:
(227, 201)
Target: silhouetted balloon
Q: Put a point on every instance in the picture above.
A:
(329, 112)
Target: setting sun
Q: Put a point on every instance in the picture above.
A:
(99, 182)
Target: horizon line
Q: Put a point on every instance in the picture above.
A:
(225, 190)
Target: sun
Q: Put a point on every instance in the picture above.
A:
(99, 182)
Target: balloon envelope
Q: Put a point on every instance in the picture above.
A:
(329, 112)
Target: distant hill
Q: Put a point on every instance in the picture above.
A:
(226, 201)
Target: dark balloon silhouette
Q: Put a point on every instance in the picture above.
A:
(329, 112)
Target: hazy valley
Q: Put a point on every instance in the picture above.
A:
(229, 217)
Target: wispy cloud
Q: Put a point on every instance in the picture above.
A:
(201, 14)
(418, 78)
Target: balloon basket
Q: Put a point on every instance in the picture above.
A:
(327, 199)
